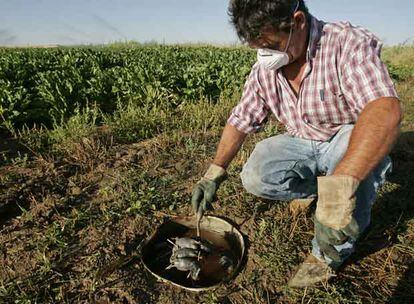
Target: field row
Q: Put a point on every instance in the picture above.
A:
(39, 86)
(47, 86)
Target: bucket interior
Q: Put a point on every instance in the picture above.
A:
(226, 239)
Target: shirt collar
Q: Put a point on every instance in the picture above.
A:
(316, 29)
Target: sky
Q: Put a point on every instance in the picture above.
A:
(40, 22)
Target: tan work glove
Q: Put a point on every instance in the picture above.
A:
(336, 200)
(334, 221)
(204, 192)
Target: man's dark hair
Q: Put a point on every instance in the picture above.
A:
(249, 17)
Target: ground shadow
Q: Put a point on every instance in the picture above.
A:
(144, 283)
(395, 208)
(391, 213)
(404, 162)
(404, 293)
(11, 147)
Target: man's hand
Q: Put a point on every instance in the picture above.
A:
(334, 221)
(204, 192)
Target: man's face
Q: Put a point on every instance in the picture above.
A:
(279, 40)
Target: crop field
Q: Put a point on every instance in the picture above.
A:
(99, 144)
(39, 86)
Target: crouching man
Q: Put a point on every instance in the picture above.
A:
(326, 83)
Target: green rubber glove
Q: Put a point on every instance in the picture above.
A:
(204, 191)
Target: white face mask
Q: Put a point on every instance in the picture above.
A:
(271, 59)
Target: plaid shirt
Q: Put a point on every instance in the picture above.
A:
(344, 73)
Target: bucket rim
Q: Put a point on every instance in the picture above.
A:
(185, 218)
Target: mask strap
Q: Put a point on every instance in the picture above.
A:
(291, 28)
(290, 36)
(297, 6)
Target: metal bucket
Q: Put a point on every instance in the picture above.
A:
(155, 256)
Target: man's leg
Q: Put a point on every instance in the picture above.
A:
(331, 153)
(315, 268)
(281, 168)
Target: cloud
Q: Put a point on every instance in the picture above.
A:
(9, 40)
(7, 37)
(101, 21)
(77, 31)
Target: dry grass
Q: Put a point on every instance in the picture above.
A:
(399, 55)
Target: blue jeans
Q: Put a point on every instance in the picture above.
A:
(285, 168)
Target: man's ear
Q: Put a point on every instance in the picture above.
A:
(300, 20)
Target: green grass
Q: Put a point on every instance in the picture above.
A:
(400, 61)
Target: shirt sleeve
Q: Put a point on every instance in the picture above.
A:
(365, 77)
(250, 113)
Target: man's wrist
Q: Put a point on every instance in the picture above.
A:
(216, 173)
(343, 172)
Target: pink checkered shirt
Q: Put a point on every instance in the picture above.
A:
(344, 73)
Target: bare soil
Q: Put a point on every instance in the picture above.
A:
(71, 226)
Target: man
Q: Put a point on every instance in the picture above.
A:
(326, 83)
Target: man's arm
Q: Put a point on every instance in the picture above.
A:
(205, 190)
(372, 138)
(230, 143)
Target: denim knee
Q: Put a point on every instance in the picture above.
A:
(255, 183)
(251, 181)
